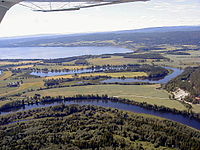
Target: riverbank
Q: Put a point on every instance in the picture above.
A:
(185, 117)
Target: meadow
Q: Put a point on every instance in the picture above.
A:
(113, 75)
(141, 93)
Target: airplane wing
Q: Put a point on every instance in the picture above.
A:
(57, 5)
(70, 5)
(3, 11)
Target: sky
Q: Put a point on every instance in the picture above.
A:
(21, 21)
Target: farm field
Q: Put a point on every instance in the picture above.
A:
(5, 75)
(27, 85)
(19, 62)
(114, 60)
(114, 75)
(140, 93)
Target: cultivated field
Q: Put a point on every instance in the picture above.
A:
(114, 75)
(5, 75)
(141, 93)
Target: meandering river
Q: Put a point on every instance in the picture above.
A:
(175, 73)
(127, 107)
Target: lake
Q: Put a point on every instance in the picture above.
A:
(127, 107)
(56, 52)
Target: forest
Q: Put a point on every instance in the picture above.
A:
(92, 127)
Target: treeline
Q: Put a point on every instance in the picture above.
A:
(55, 82)
(83, 59)
(154, 72)
(189, 81)
(178, 53)
(146, 56)
(90, 127)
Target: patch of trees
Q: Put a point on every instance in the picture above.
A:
(178, 53)
(91, 127)
(68, 59)
(54, 82)
(81, 62)
(154, 72)
(146, 56)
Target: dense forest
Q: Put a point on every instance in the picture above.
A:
(91, 127)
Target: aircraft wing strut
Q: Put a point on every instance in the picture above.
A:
(57, 5)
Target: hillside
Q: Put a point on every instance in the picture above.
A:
(187, 35)
(188, 81)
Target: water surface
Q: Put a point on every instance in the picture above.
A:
(127, 107)
(176, 72)
(50, 74)
(56, 52)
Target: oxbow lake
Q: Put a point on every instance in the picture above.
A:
(56, 52)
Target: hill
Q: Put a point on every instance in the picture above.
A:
(188, 81)
(187, 35)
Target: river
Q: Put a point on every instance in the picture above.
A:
(175, 73)
(166, 79)
(56, 52)
(127, 107)
(50, 74)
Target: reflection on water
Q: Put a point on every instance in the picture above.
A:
(56, 52)
(128, 107)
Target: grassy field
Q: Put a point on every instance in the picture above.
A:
(196, 108)
(28, 84)
(114, 75)
(182, 61)
(17, 63)
(23, 67)
(5, 75)
(114, 60)
(140, 93)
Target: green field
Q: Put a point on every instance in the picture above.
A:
(114, 60)
(140, 93)
(5, 75)
(27, 85)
